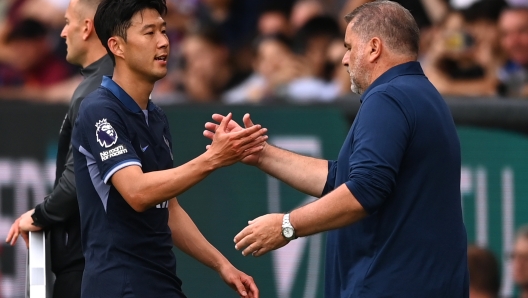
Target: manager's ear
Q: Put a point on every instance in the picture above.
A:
(88, 29)
(116, 45)
(375, 46)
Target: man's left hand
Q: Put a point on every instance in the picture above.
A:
(21, 227)
(262, 235)
(242, 283)
(26, 222)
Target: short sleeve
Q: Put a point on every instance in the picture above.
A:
(106, 137)
(331, 178)
(381, 137)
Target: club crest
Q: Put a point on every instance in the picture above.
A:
(106, 134)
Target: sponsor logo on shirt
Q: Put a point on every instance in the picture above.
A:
(113, 152)
(163, 205)
(105, 133)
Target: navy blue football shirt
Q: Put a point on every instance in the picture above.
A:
(125, 251)
(401, 160)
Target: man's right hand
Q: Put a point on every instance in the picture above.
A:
(233, 126)
(232, 143)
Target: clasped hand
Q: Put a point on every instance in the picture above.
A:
(232, 143)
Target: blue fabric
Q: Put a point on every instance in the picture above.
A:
(401, 161)
(126, 252)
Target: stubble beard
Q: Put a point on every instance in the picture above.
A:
(355, 73)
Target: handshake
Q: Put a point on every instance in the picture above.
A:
(232, 143)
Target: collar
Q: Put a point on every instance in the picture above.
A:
(407, 68)
(123, 97)
(104, 61)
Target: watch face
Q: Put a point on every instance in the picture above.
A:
(287, 232)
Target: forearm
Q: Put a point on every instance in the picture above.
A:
(304, 173)
(337, 209)
(145, 190)
(187, 237)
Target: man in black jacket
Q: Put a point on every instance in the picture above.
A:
(59, 212)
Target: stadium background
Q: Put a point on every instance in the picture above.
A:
(494, 185)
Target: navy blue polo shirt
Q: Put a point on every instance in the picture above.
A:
(125, 251)
(401, 160)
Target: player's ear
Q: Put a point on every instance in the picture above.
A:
(88, 28)
(116, 46)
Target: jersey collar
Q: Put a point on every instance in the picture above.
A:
(407, 68)
(123, 97)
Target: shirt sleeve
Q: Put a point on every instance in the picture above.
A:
(381, 137)
(330, 180)
(109, 142)
(61, 204)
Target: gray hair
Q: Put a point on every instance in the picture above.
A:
(388, 20)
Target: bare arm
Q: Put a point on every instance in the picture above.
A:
(187, 237)
(337, 209)
(306, 174)
(145, 190)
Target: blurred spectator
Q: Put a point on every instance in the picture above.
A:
(275, 19)
(464, 57)
(180, 19)
(513, 26)
(520, 261)
(305, 10)
(340, 76)
(484, 273)
(48, 12)
(28, 61)
(312, 43)
(207, 68)
(236, 20)
(274, 66)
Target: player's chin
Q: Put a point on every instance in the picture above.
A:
(159, 74)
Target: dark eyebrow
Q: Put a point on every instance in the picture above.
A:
(151, 26)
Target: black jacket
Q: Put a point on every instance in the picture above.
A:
(59, 213)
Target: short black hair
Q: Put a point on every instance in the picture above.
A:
(112, 17)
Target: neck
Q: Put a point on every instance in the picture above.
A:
(137, 87)
(383, 65)
(96, 52)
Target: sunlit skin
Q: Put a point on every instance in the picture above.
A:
(73, 33)
(141, 60)
(353, 61)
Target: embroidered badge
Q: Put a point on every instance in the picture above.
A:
(105, 133)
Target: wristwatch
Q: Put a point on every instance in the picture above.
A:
(288, 232)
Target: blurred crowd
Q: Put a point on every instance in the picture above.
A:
(260, 51)
(485, 269)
